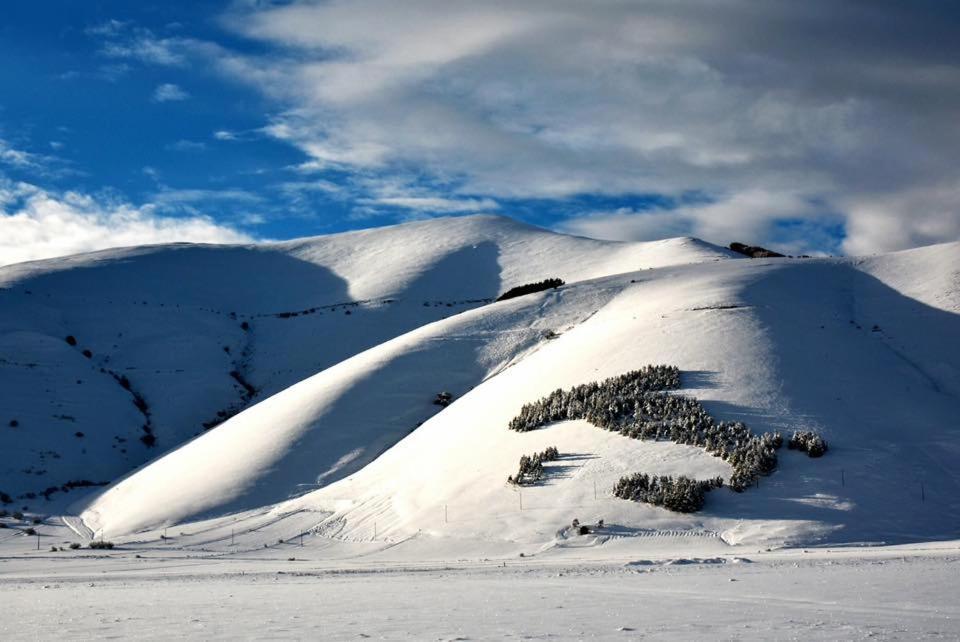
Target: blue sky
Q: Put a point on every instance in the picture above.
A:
(827, 128)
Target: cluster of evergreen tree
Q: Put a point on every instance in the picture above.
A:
(635, 405)
(809, 442)
(681, 494)
(531, 467)
(602, 403)
(530, 288)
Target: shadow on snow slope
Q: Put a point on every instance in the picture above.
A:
(891, 471)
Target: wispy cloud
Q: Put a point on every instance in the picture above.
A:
(17, 157)
(185, 146)
(36, 223)
(169, 92)
(435, 204)
(170, 196)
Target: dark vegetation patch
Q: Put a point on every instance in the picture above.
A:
(637, 405)
(754, 251)
(100, 545)
(530, 288)
(246, 385)
(531, 467)
(809, 442)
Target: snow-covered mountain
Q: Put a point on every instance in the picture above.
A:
(301, 376)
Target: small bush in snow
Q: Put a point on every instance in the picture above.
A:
(71, 340)
(74, 546)
(100, 545)
(443, 399)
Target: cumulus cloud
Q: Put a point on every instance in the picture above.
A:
(815, 110)
(168, 92)
(38, 224)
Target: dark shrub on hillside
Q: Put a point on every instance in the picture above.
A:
(87, 354)
(30, 531)
(14, 423)
(74, 546)
(71, 340)
(100, 545)
(149, 440)
(530, 288)
(443, 399)
(809, 442)
(754, 251)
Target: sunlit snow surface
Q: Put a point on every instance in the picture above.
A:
(346, 341)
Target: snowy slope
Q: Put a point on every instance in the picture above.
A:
(864, 351)
(181, 337)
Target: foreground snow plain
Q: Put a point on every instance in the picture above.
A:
(337, 500)
(680, 590)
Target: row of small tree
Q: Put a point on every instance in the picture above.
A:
(681, 494)
(531, 467)
(530, 288)
(636, 406)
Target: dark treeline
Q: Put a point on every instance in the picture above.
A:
(635, 405)
(530, 288)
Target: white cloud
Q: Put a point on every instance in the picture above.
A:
(768, 111)
(17, 157)
(146, 48)
(435, 203)
(169, 196)
(185, 146)
(168, 92)
(37, 224)
(750, 216)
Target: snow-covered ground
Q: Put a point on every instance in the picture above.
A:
(290, 390)
(675, 592)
